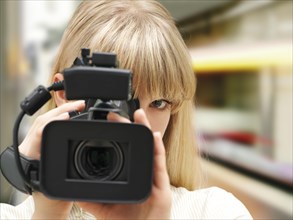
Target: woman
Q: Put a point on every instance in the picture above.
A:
(146, 41)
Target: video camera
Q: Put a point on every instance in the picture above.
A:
(87, 157)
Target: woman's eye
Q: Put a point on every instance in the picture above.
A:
(160, 104)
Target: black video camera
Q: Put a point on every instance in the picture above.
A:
(87, 157)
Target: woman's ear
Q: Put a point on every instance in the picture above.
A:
(59, 96)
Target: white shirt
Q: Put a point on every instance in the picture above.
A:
(209, 203)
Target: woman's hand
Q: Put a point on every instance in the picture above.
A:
(31, 146)
(158, 205)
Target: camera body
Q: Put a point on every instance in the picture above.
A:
(88, 158)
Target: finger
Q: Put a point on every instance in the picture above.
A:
(63, 116)
(116, 118)
(41, 126)
(60, 113)
(67, 107)
(140, 118)
(161, 178)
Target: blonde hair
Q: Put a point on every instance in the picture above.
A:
(146, 40)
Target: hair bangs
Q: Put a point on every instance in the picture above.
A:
(160, 74)
(154, 55)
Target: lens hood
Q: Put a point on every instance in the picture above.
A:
(62, 140)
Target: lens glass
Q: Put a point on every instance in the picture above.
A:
(100, 160)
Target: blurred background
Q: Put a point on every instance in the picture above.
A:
(242, 57)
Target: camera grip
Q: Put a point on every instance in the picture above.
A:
(11, 173)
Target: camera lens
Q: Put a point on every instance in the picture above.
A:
(98, 160)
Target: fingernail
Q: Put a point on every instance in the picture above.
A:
(79, 102)
(158, 134)
(140, 111)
